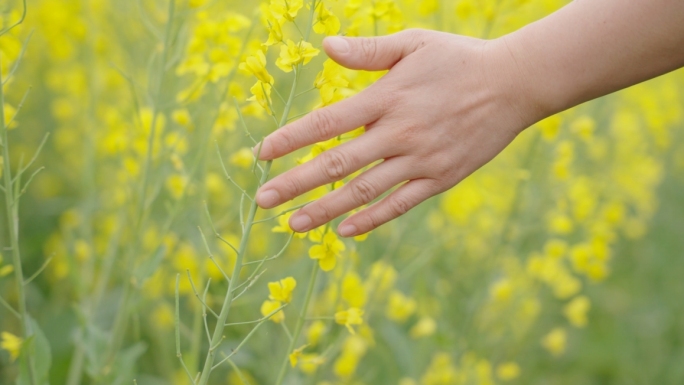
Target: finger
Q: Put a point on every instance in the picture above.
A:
(328, 167)
(372, 53)
(322, 124)
(394, 205)
(359, 191)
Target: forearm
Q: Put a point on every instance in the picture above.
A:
(591, 48)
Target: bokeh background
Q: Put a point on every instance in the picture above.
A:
(560, 262)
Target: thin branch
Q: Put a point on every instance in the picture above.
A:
(21, 20)
(238, 371)
(287, 331)
(211, 256)
(197, 294)
(251, 333)
(293, 208)
(298, 116)
(19, 106)
(28, 182)
(10, 308)
(19, 59)
(256, 320)
(260, 262)
(204, 310)
(225, 171)
(177, 326)
(40, 270)
(303, 92)
(34, 158)
(242, 120)
(251, 283)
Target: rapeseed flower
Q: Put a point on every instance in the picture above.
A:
(327, 251)
(350, 317)
(293, 53)
(12, 344)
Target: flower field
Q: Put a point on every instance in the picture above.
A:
(133, 251)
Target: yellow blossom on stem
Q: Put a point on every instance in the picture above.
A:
(325, 22)
(327, 251)
(256, 65)
(275, 32)
(293, 53)
(282, 290)
(12, 344)
(285, 9)
(349, 317)
(294, 356)
(269, 307)
(329, 80)
(262, 94)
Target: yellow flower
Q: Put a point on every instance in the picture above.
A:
(315, 332)
(176, 185)
(242, 158)
(326, 23)
(555, 341)
(256, 65)
(326, 253)
(425, 327)
(508, 371)
(5, 270)
(294, 356)
(576, 311)
(329, 80)
(349, 317)
(400, 307)
(12, 344)
(269, 307)
(262, 94)
(275, 32)
(282, 290)
(182, 118)
(285, 9)
(293, 53)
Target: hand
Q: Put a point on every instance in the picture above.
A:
(448, 105)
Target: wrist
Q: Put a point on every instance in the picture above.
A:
(515, 82)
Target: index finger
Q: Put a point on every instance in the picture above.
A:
(322, 124)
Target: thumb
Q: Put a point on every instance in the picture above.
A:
(371, 53)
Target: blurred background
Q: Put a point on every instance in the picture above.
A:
(560, 262)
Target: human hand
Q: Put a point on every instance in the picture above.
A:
(448, 105)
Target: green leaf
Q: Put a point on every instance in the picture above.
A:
(36, 353)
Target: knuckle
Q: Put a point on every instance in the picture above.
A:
(292, 187)
(323, 124)
(363, 191)
(334, 164)
(369, 49)
(285, 141)
(399, 205)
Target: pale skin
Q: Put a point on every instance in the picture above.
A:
(449, 103)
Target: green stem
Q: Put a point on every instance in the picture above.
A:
(12, 208)
(300, 322)
(119, 327)
(223, 315)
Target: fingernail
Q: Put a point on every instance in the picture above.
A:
(338, 44)
(266, 149)
(300, 222)
(268, 198)
(347, 230)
